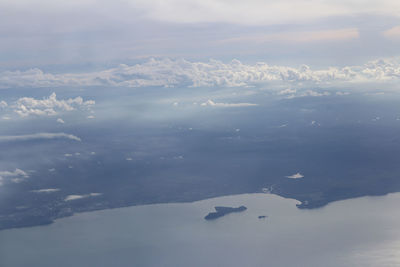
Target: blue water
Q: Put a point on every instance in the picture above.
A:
(356, 232)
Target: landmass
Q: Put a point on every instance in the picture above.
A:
(222, 211)
(168, 163)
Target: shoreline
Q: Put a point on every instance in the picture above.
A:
(299, 205)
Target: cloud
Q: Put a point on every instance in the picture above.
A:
(75, 197)
(3, 104)
(16, 176)
(50, 106)
(292, 93)
(315, 123)
(17, 172)
(226, 105)
(342, 93)
(287, 91)
(314, 93)
(59, 120)
(47, 190)
(376, 119)
(392, 33)
(295, 176)
(256, 12)
(38, 136)
(213, 73)
(296, 37)
(250, 12)
(139, 29)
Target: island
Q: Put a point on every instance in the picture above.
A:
(262, 217)
(222, 211)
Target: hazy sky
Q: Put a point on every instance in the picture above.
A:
(88, 34)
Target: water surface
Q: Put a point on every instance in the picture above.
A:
(356, 232)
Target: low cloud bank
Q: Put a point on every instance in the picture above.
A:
(168, 72)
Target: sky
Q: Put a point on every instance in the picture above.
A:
(76, 36)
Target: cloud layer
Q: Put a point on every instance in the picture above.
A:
(295, 37)
(250, 12)
(257, 12)
(168, 72)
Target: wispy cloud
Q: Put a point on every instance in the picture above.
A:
(292, 93)
(298, 37)
(342, 93)
(38, 136)
(295, 176)
(46, 190)
(76, 197)
(250, 12)
(226, 105)
(392, 33)
(255, 12)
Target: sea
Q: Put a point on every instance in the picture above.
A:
(355, 232)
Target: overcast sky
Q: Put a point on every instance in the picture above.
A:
(87, 34)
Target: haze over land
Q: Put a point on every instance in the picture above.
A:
(137, 102)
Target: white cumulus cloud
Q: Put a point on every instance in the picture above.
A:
(17, 172)
(26, 106)
(15, 176)
(167, 72)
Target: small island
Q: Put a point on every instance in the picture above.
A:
(222, 211)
